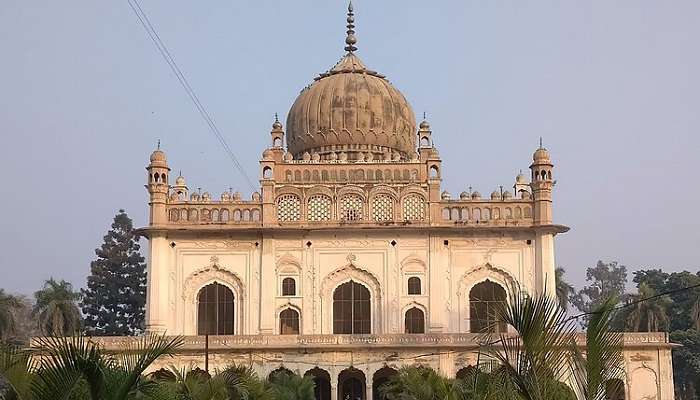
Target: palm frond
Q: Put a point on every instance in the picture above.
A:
(136, 358)
(64, 363)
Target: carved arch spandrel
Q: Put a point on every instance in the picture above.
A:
(481, 273)
(286, 261)
(211, 273)
(350, 272)
(410, 262)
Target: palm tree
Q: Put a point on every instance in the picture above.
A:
(545, 351)
(69, 365)
(243, 383)
(8, 323)
(564, 289)
(649, 315)
(292, 387)
(56, 308)
(422, 384)
(189, 384)
(15, 373)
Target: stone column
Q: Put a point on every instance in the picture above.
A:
(334, 384)
(544, 264)
(157, 317)
(369, 382)
(437, 286)
(269, 286)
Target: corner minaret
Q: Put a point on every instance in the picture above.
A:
(541, 185)
(157, 186)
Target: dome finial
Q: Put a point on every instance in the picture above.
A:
(350, 40)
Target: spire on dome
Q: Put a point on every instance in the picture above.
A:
(350, 40)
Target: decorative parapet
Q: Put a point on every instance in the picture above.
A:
(493, 212)
(331, 342)
(214, 212)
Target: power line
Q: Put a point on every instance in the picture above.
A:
(165, 53)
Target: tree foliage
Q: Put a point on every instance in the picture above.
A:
(564, 290)
(605, 281)
(8, 321)
(115, 298)
(56, 309)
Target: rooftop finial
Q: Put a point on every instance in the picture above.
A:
(276, 118)
(158, 144)
(350, 40)
(424, 114)
(541, 143)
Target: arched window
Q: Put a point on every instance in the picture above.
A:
(415, 320)
(351, 309)
(288, 208)
(351, 208)
(414, 285)
(289, 287)
(215, 310)
(289, 322)
(614, 389)
(383, 208)
(319, 208)
(484, 300)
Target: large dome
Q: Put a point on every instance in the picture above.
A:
(351, 109)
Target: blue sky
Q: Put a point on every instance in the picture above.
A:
(612, 87)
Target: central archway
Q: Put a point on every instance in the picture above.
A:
(352, 309)
(352, 385)
(322, 383)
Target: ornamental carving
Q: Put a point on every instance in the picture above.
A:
(287, 261)
(482, 272)
(353, 272)
(223, 244)
(212, 273)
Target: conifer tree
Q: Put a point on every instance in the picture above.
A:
(115, 298)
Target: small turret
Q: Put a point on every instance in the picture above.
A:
(180, 188)
(521, 186)
(277, 133)
(542, 184)
(157, 186)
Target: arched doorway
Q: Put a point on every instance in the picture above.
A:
(322, 383)
(281, 371)
(614, 389)
(352, 385)
(351, 309)
(379, 378)
(215, 310)
(465, 372)
(484, 300)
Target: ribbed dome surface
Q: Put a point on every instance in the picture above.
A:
(351, 109)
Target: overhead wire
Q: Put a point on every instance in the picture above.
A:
(167, 56)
